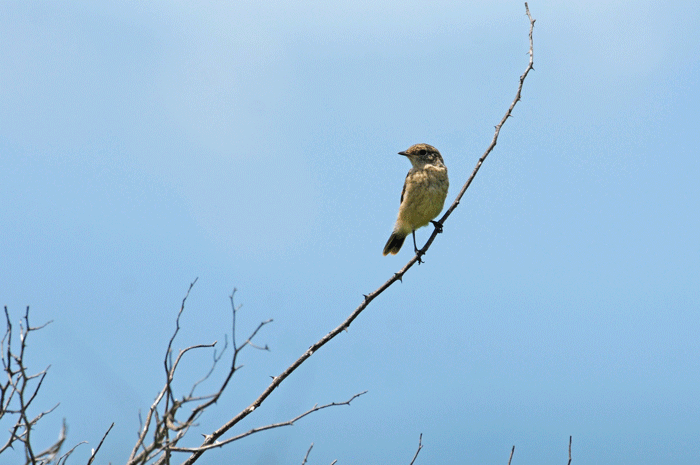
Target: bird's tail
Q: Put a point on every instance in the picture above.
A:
(393, 245)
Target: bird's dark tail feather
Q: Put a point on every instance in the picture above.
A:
(393, 245)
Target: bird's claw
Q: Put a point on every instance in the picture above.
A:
(419, 254)
(437, 225)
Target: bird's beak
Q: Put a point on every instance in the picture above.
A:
(403, 153)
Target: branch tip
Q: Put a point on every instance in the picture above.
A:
(512, 451)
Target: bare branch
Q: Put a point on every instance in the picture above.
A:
(307, 454)
(491, 146)
(569, 450)
(172, 338)
(52, 451)
(234, 309)
(213, 366)
(64, 458)
(512, 451)
(212, 439)
(161, 419)
(184, 351)
(216, 444)
(95, 451)
(18, 391)
(420, 446)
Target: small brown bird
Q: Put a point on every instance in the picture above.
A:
(423, 195)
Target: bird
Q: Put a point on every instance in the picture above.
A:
(422, 197)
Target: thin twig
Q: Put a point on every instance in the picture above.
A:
(307, 454)
(512, 451)
(420, 446)
(19, 389)
(211, 369)
(95, 451)
(166, 392)
(64, 458)
(172, 338)
(315, 408)
(491, 146)
(161, 420)
(234, 309)
(569, 451)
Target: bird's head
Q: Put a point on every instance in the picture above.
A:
(423, 154)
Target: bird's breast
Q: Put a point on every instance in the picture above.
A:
(426, 190)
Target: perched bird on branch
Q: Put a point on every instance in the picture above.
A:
(423, 195)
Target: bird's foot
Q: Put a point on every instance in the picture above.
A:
(419, 254)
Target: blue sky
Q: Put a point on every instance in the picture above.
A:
(254, 145)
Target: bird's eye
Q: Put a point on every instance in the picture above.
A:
(422, 152)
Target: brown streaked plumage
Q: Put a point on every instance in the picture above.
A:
(423, 195)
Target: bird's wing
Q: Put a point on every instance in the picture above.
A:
(403, 191)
